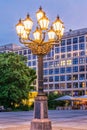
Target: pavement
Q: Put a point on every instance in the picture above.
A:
(61, 120)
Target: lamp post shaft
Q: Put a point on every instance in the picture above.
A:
(40, 74)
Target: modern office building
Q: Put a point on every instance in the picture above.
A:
(65, 67)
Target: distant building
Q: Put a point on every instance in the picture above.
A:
(65, 67)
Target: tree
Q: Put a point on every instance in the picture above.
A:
(15, 79)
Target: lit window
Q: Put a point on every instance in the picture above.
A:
(63, 63)
(69, 62)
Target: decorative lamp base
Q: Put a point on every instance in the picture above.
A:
(41, 124)
(41, 121)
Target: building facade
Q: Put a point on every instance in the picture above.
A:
(65, 67)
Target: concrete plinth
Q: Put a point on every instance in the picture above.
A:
(41, 121)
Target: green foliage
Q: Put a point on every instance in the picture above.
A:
(15, 79)
(52, 104)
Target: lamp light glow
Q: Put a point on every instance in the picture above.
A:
(20, 28)
(28, 23)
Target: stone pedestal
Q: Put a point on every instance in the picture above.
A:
(41, 121)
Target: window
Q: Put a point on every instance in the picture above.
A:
(57, 57)
(69, 62)
(75, 61)
(25, 52)
(20, 52)
(29, 51)
(45, 86)
(81, 39)
(63, 56)
(62, 42)
(62, 70)
(33, 63)
(29, 63)
(81, 46)
(75, 47)
(56, 50)
(50, 86)
(56, 78)
(82, 76)
(75, 40)
(45, 64)
(68, 48)
(50, 71)
(62, 85)
(82, 53)
(75, 77)
(68, 41)
(68, 70)
(56, 71)
(52, 53)
(62, 78)
(56, 63)
(69, 55)
(49, 54)
(69, 77)
(56, 86)
(63, 49)
(51, 64)
(75, 85)
(75, 69)
(63, 63)
(81, 60)
(82, 84)
(45, 79)
(29, 57)
(45, 72)
(34, 56)
(69, 85)
(81, 68)
(75, 54)
(50, 79)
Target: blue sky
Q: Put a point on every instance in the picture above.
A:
(72, 12)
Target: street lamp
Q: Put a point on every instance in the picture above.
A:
(44, 38)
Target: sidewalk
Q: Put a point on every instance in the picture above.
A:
(53, 128)
(61, 120)
(27, 127)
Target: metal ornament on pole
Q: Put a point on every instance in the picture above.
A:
(40, 46)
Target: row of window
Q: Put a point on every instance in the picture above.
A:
(65, 70)
(65, 78)
(69, 55)
(67, 85)
(74, 61)
(70, 48)
(74, 40)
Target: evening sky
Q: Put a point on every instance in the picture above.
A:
(72, 13)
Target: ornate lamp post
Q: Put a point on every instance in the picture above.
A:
(44, 39)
